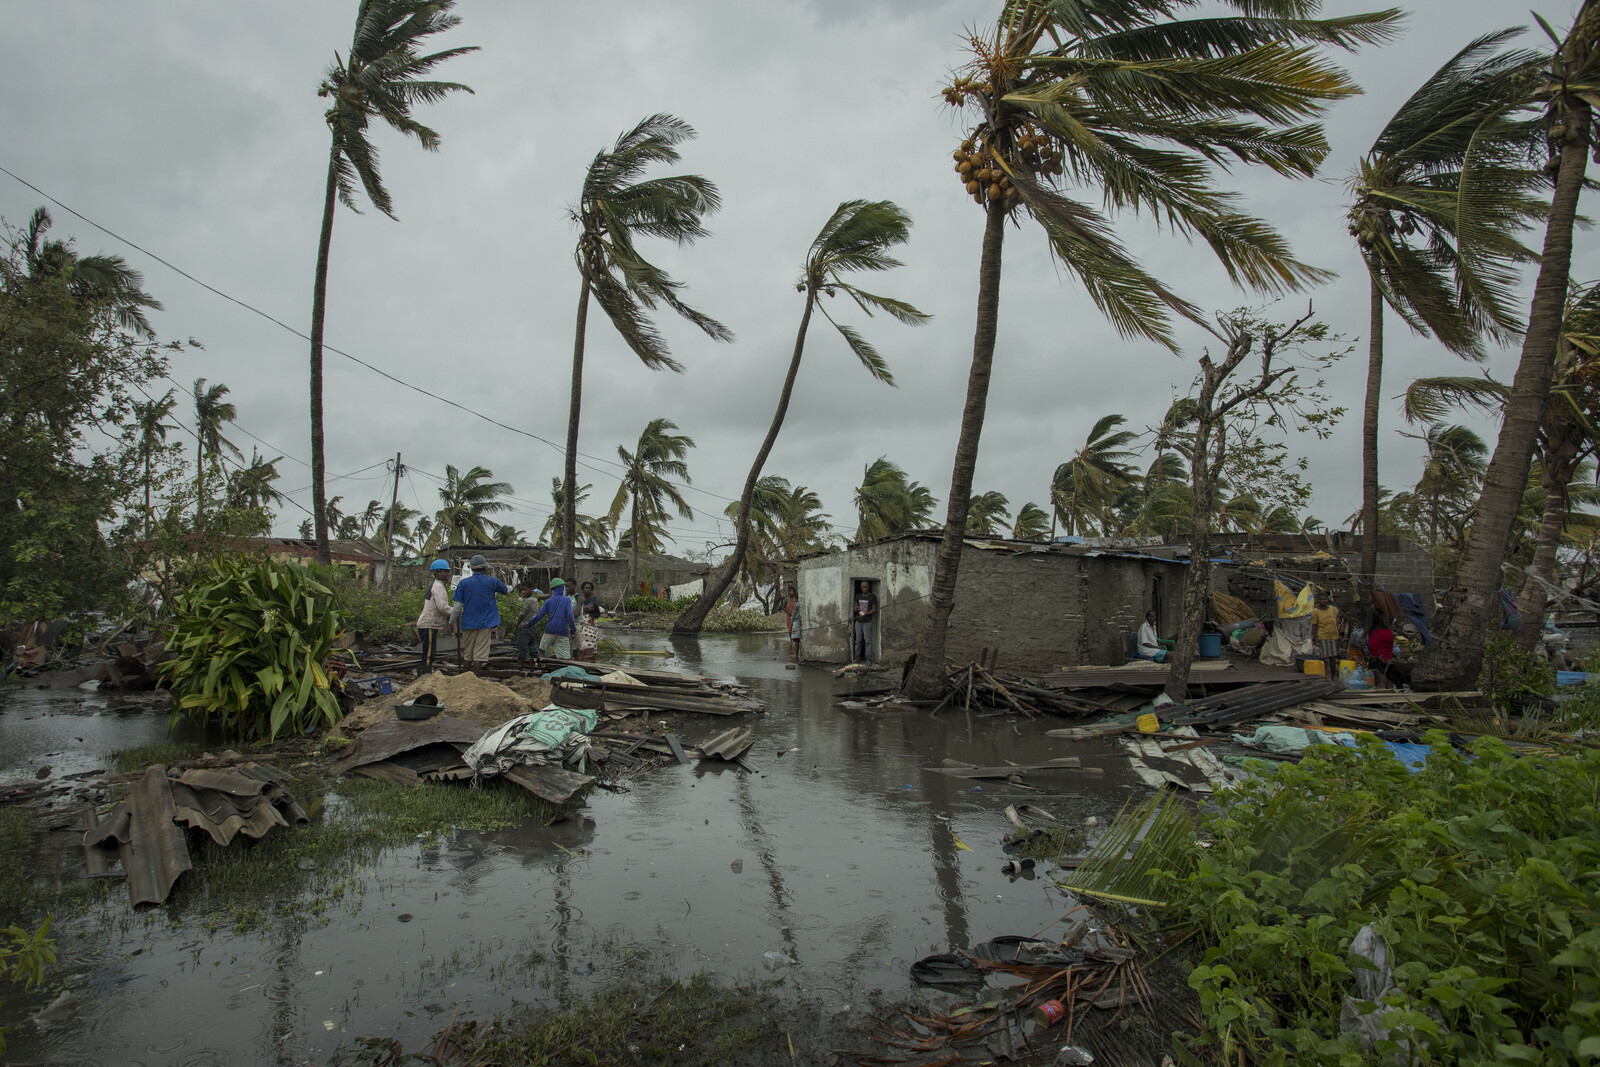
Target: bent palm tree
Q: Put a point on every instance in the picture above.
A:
(646, 491)
(888, 503)
(251, 486)
(1032, 524)
(1084, 488)
(1438, 200)
(467, 500)
(1573, 82)
(987, 513)
(614, 208)
(857, 237)
(381, 78)
(1125, 99)
(210, 412)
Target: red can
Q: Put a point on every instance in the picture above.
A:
(1049, 1013)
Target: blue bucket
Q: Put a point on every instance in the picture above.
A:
(1210, 646)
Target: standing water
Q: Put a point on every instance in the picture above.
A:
(833, 866)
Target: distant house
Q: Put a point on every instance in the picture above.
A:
(1042, 606)
(361, 556)
(540, 563)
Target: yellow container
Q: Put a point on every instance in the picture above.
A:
(1148, 723)
(1314, 666)
(1346, 665)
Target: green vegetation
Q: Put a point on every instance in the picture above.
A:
(1511, 675)
(689, 1020)
(23, 958)
(250, 645)
(720, 620)
(165, 753)
(378, 615)
(1477, 872)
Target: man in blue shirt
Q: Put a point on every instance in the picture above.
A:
(559, 624)
(480, 613)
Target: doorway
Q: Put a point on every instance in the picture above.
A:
(874, 629)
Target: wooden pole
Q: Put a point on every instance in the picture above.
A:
(388, 530)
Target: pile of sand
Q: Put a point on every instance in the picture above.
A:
(464, 696)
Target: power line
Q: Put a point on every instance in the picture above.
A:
(327, 347)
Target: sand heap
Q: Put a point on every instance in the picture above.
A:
(464, 696)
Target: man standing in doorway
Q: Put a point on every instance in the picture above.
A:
(480, 613)
(866, 616)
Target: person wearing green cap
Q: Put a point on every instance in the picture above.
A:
(559, 624)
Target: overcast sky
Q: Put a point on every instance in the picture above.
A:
(194, 130)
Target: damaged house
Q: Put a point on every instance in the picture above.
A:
(1048, 605)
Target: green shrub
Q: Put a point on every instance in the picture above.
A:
(1478, 872)
(658, 605)
(382, 616)
(725, 620)
(23, 958)
(1511, 675)
(250, 643)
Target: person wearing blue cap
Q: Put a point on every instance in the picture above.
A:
(435, 613)
(478, 594)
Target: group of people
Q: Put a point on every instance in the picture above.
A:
(473, 611)
(1379, 640)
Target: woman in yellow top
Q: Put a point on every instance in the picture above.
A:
(1325, 623)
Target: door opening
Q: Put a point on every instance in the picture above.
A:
(866, 629)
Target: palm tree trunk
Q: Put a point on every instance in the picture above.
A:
(717, 581)
(1369, 444)
(927, 680)
(633, 544)
(1472, 605)
(319, 310)
(199, 473)
(1558, 470)
(569, 492)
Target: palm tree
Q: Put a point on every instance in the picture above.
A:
(888, 503)
(381, 78)
(467, 500)
(1033, 523)
(507, 535)
(395, 523)
(1453, 661)
(1437, 201)
(106, 281)
(1137, 106)
(370, 516)
(1568, 436)
(646, 492)
(614, 208)
(594, 532)
(987, 513)
(251, 486)
(1084, 488)
(210, 412)
(857, 237)
(151, 426)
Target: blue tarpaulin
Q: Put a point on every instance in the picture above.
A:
(1413, 756)
(1572, 677)
(1411, 604)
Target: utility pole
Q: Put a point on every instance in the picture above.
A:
(388, 530)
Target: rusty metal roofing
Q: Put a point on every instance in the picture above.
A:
(147, 840)
(391, 737)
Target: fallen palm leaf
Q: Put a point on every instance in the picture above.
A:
(1141, 845)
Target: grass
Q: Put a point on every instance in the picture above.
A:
(16, 845)
(1052, 843)
(688, 1020)
(163, 752)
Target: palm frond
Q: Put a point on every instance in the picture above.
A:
(1145, 845)
(868, 355)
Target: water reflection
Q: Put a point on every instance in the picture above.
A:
(840, 855)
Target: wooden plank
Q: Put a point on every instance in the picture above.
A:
(548, 783)
(1065, 763)
(677, 749)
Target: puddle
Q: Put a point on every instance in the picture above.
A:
(834, 867)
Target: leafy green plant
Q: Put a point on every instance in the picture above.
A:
(1511, 675)
(1477, 872)
(250, 643)
(658, 605)
(23, 958)
(380, 615)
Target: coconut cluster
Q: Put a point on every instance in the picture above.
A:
(978, 165)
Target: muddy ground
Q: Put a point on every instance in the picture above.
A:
(816, 880)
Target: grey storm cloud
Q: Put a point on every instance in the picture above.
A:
(194, 130)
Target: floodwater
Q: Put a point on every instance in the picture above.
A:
(833, 867)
